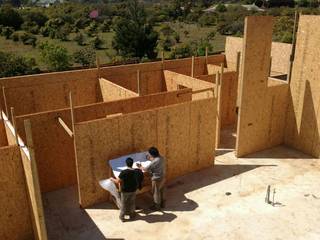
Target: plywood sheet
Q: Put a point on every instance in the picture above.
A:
(280, 53)
(15, 217)
(175, 80)
(111, 91)
(303, 119)
(3, 135)
(262, 109)
(53, 149)
(184, 134)
(42, 92)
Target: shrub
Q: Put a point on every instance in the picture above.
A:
(96, 42)
(15, 36)
(85, 56)
(28, 39)
(55, 57)
(7, 31)
(79, 38)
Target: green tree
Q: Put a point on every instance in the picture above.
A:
(10, 17)
(134, 35)
(85, 56)
(55, 57)
(7, 31)
(12, 65)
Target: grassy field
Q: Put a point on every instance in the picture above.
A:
(195, 33)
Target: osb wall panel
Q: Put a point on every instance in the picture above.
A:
(280, 53)
(3, 135)
(11, 139)
(53, 148)
(112, 92)
(101, 110)
(262, 109)
(43, 97)
(183, 133)
(229, 88)
(214, 69)
(208, 78)
(33, 188)
(303, 118)
(15, 217)
(151, 75)
(175, 80)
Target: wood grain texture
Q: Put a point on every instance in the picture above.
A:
(262, 108)
(303, 117)
(112, 92)
(15, 217)
(175, 80)
(184, 134)
(280, 53)
(3, 135)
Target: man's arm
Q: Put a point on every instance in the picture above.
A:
(116, 180)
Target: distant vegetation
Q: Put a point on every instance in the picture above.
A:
(36, 37)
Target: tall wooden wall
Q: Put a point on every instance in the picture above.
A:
(175, 81)
(44, 92)
(3, 135)
(15, 217)
(262, 110)
(54, 147)
(303, 119)
(184, 134)
(111, 91)
(280, 53)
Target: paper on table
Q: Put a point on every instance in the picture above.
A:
(119, 164)
(108, 185)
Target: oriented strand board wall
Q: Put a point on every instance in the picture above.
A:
(184, 133)
(173, 80)
(15, 217)
(42, 92)
(280, 53)
(214, 69)
(54, 148)
(112, 92)
(262, 108)
(229, 88)
(303, 119)
(3, 135)
(151, 74)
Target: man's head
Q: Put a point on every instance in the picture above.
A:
(153, 153)
(129, 162)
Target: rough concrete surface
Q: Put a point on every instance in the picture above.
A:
(199, 208)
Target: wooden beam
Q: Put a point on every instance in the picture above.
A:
(270, 65)
(13, 119)
(65, 127)
(218, 123)
(238, 63)
(98, 66)
(203, 90)
(192, 66)
(5, 101)
(206, 55)
(42, 231)
(72, 112)
(293, 45)
(217, 84)
(138, 82)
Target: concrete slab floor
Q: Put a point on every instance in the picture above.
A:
(199, 208)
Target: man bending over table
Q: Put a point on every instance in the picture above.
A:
(157, 168)
(129, 181)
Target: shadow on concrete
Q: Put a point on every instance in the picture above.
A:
(65, 220)
(279, 152)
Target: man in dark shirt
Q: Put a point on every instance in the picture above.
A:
(157, 168)
(129, 180)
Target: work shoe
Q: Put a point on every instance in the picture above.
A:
(121, 218)
(163, 204)
(133, 215)
(155, 207)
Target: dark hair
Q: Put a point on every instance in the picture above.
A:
(129, 162)
(153, 151)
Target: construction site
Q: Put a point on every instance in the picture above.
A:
(240, 132)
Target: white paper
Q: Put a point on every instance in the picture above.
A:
(110, 186)
(119, 164)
